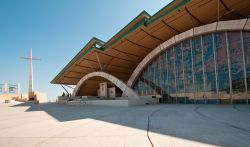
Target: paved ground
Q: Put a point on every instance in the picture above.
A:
(167, 125)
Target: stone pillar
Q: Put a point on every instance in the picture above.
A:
(112, 92)
(103, 89)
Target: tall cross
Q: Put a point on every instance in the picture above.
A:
(30, 58)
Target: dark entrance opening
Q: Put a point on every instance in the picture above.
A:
(31, 99)
(166, 99)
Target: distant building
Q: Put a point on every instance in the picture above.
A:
(10, 91)
(191, 51)
(9, 88)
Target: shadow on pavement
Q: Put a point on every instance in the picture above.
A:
(222, 125)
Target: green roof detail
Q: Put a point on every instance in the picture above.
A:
(154, 18)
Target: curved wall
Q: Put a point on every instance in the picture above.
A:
(211, 61)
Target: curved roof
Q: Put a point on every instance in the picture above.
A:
(120, 55)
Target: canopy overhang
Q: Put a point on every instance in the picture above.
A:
(122, 53)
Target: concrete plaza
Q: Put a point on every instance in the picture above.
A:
(25, 124)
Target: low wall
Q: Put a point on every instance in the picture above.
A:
(120, 102)
(41, 97)
(61, 101)
(10, 96)
(123, 103)
(13, 97)
(142, 102)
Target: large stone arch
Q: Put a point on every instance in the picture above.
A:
(125, 89)
(232, 25)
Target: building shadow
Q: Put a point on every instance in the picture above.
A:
(200, 123)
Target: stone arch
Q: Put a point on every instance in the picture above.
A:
(232, 25)
(120, 84)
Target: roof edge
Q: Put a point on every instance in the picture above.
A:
(155, 18)
(143, 14)
(84, 50)
(146, 20)
(102, 43)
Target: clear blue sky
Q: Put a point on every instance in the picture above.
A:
(57, 30)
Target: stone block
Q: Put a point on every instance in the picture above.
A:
(155, 52)
(150, 55)
(205, 29)
(247, 25)
(231, 25)
(87, 76)
(168, 43)
(95, 74)
(121, 85)
(139, 67)
(113, 79)
(184, 35)
(144, 62)
(132, 79)
(158, 49)
(130, 82)
(131, 94)
(104, 75)
(83, 79)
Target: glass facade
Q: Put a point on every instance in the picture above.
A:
(237, 64)
(221, 52)
(246, 45)
(207, 67)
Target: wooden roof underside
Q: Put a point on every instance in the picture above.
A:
(122, 53)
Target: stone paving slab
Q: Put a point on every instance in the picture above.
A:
(26, 124)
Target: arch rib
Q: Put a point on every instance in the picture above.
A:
(120, 84)
(209, 28)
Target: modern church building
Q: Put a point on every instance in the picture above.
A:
(191, 51)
